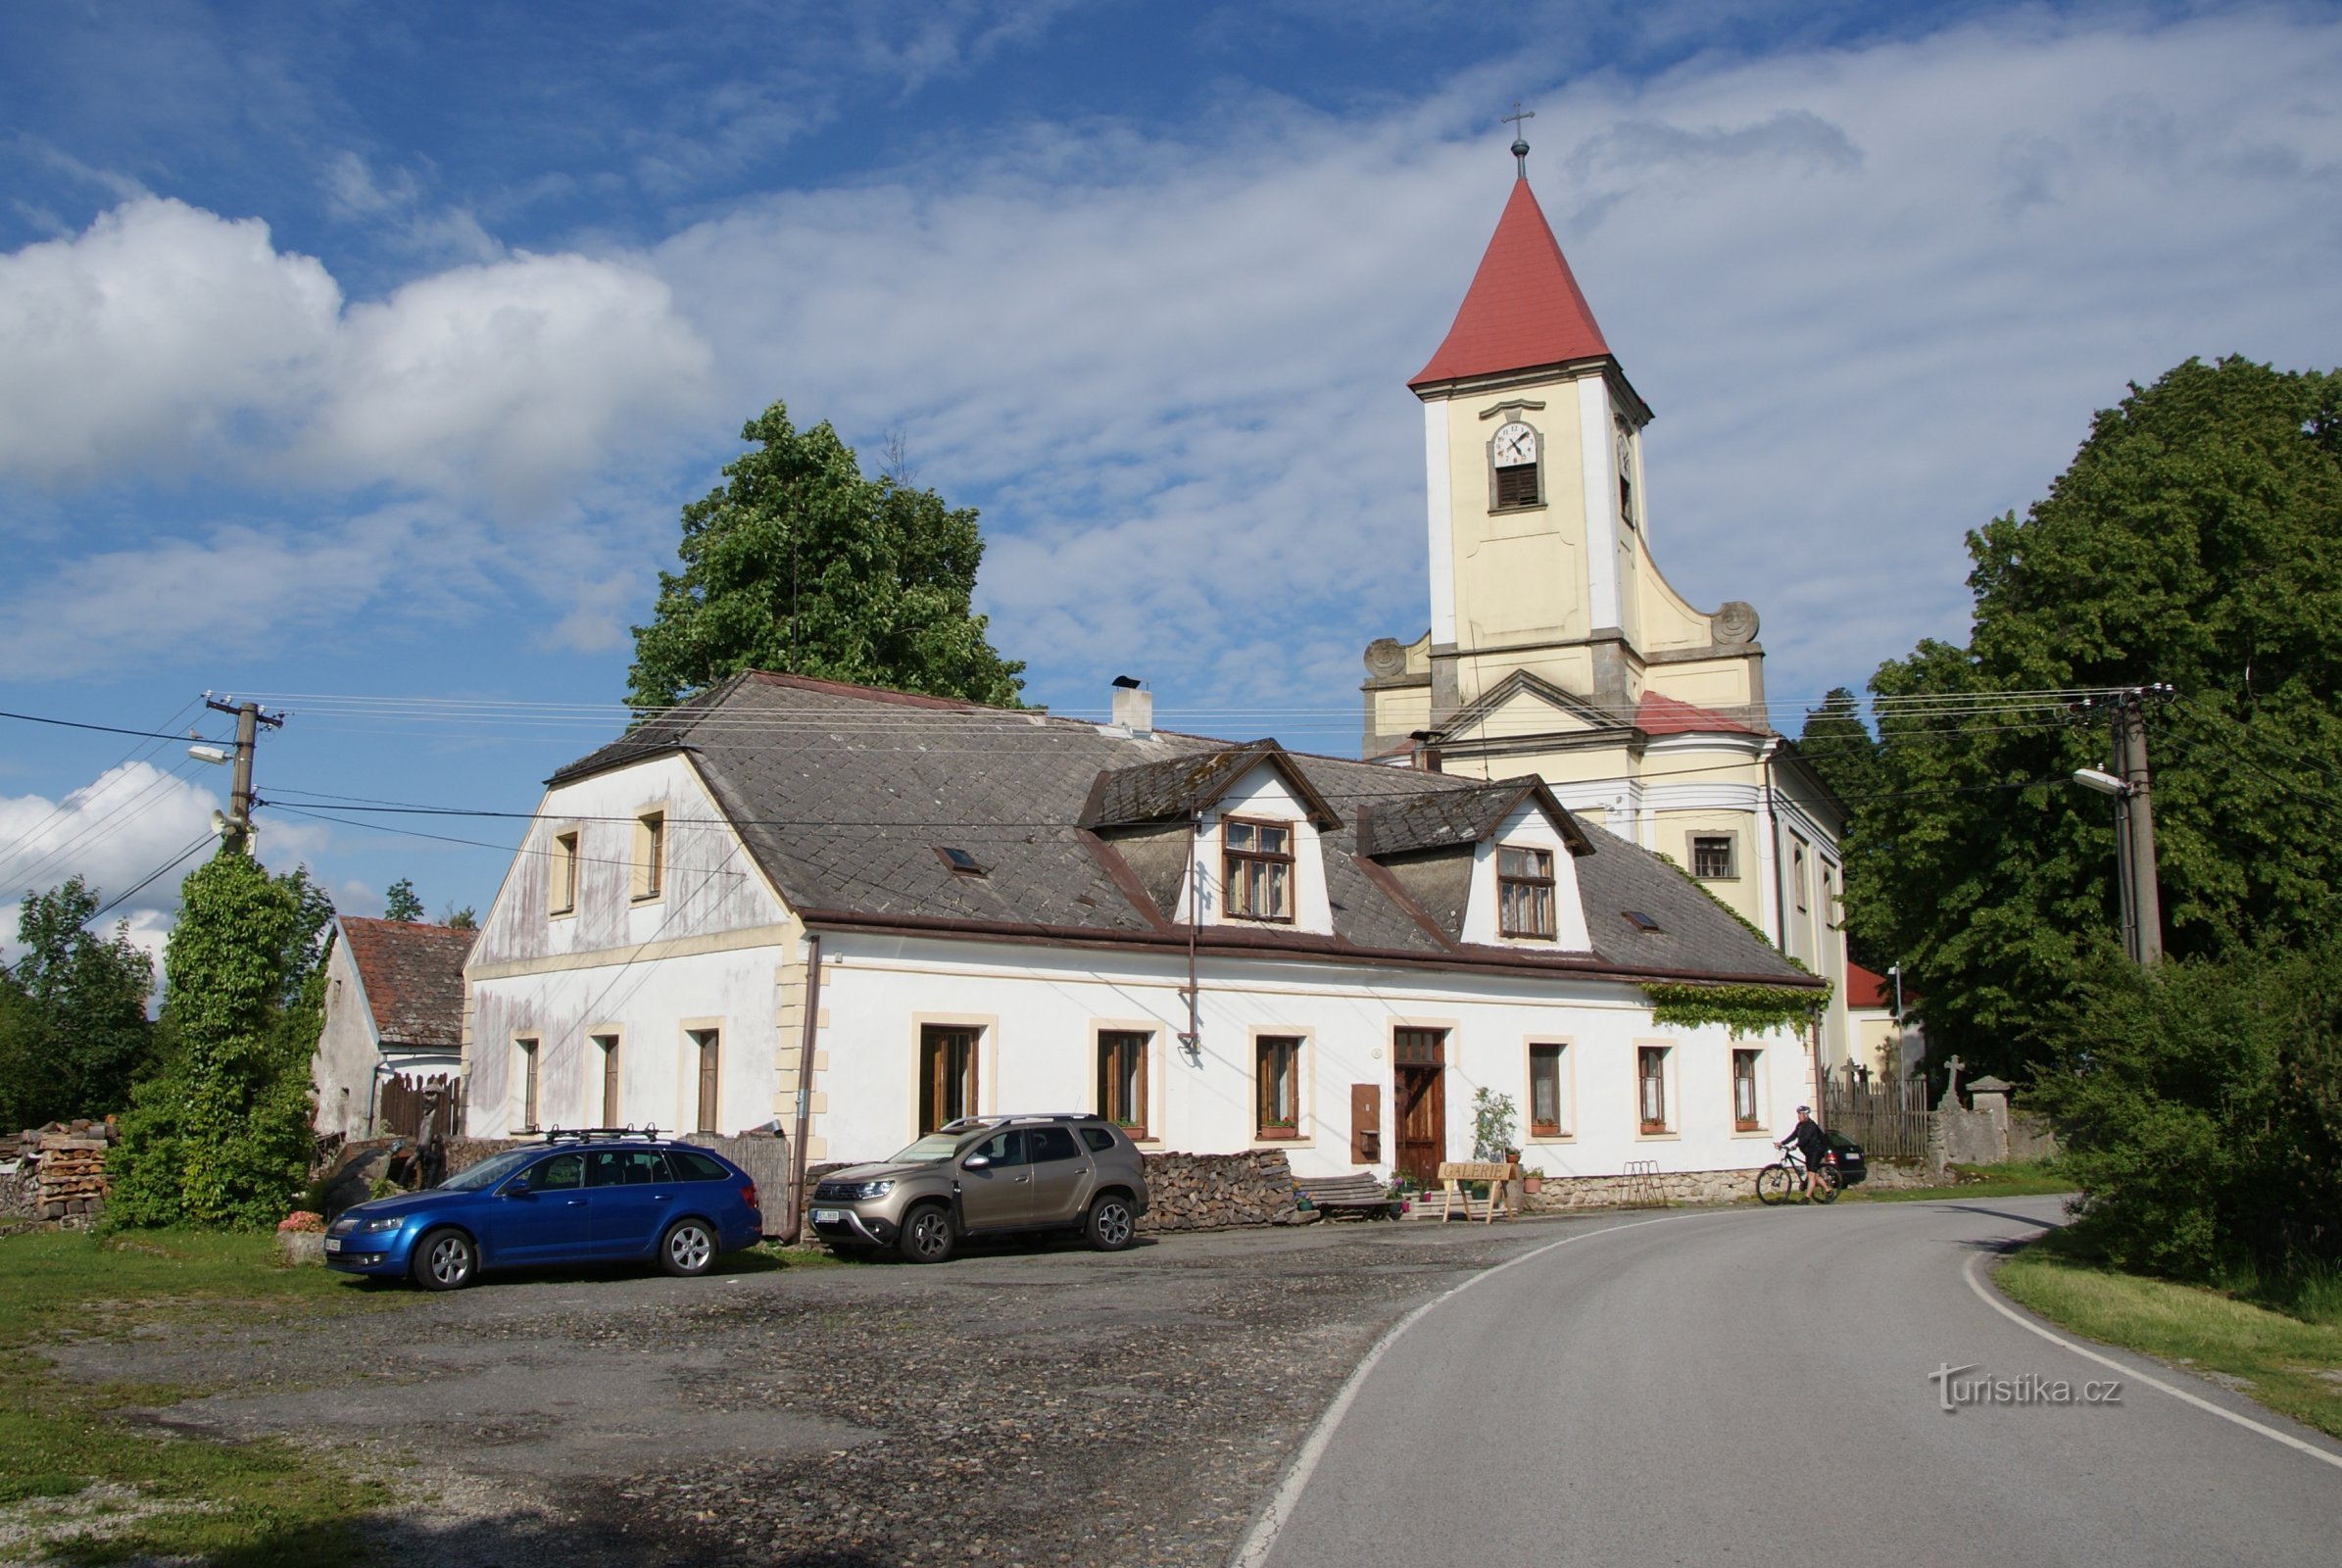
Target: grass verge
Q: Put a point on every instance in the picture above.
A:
(83, 1486)
(2292, 1366)
(2022, 1179)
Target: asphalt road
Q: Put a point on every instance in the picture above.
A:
(1754, 1388)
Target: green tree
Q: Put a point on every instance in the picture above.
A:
(799, 564)
(74, 1029)
(2195, 540)
(401, 903)
(222, 1135)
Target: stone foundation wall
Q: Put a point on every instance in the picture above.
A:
(1219, 1192)
(1560, 1193)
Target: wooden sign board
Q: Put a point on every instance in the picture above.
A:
(1496, 1173)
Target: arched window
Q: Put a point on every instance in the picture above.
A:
(1514, 454)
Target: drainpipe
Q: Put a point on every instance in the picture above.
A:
(804, 1090)
(1193, 1041)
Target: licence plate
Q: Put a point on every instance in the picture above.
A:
(829, 1216)
(332, 1244)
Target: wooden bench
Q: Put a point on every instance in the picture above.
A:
(1362, 1195)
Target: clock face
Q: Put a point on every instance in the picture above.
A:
(1516, 444)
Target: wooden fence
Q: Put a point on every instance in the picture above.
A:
(411, 1107)
(1891, 1120)
(765, 1157)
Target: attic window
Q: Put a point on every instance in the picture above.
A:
(959, 860)
(1641, 922)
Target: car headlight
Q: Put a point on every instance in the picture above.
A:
(872, 1189)
(388, 1223)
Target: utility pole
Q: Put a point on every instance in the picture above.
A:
(235, 832)
(2138, 890)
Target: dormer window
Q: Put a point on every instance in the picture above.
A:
(1514, 456)
(1525, 892)
(1257, 869)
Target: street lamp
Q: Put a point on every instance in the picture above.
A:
(2089, 778)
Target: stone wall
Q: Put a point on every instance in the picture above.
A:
(1559, 1193)
(1218, 1191)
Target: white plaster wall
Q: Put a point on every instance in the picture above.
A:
(1040, 1008)
(648, 1006)
(342, 1070)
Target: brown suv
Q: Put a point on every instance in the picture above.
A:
(987, 1176)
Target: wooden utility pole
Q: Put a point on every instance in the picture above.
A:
(235, 834)
(2142, 900)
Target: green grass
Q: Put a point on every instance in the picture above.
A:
(2022, 1179)
(2289, 1364)
(265, 1505)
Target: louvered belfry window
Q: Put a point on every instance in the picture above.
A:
(1515, 486)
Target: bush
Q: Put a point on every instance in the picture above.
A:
(2200, 1110)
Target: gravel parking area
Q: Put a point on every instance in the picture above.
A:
(1034, 1405)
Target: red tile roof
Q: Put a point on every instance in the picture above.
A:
(1665, 716)
(1524, 308)
(1865, 989)
(413, 978)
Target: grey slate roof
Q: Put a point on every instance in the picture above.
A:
(843, 794)
(1445, 818)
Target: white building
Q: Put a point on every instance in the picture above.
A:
(1223, 946)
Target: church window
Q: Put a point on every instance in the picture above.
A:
(1712, 857)
(1625, 474)
(1513, 454)
(1258, 869)
(1525, 892)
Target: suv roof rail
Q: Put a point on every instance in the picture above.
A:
(997, 1117)
(587, 1135)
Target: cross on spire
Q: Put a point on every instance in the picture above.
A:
(1520, 140)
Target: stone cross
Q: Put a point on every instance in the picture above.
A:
(1951, 1083)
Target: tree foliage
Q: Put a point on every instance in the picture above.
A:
(2201, 1110)
(799, 564)
(222, 1135)
(74, 1029)
(401, 903)
(2195, 540)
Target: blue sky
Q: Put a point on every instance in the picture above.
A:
(352, 352)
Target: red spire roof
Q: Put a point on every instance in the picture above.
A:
(1523, 308)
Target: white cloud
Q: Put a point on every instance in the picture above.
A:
(112, 832)
(165, 337)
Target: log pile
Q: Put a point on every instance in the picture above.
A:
(1216, 1192)
(63, 1168)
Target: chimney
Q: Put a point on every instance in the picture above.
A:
(1134, 707)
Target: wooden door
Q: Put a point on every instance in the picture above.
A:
(946, 1076)
(1418, 1102)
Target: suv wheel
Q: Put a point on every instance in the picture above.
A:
(926, 1235)
(1110, 1224)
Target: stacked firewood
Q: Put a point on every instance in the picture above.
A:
(67, 1164)
(1213, 1192)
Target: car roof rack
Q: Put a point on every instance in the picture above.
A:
(998, 1117)
(587, 1135)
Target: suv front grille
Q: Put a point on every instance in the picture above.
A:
(833, 1192)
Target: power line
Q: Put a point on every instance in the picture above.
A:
(103, 729)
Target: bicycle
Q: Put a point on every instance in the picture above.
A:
(1778, 1184)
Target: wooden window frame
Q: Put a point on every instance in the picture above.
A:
(708, 1077)
(971, 1077)
(1132, 1118)
(649, 870)
(563, 873)
(1646, 1056)
(609, 1041)
(1278, 866)
(1559, 1050)
(1539, 894)
(1748, 1118)
(528, 1048)
(1264, 1122)
(1732, 855)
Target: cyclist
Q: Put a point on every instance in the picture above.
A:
(1813, 1146)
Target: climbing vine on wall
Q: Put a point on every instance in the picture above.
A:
(1743, 1009)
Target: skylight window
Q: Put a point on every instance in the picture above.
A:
(959, 860)
(1641, 922)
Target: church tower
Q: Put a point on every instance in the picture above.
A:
(1557, 647)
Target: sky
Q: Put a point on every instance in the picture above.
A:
(358, 359)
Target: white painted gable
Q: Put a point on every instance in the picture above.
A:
(1262, 795)
(1528, 827)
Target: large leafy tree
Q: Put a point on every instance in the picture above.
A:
(799, 563)
(222, 1135)
(74, 1029)
(2195, 540)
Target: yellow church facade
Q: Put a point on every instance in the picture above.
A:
(1556, 646)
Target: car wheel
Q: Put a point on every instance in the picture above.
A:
(445, 1260)
(1110, 1224)
(926, 1236)
(687, 1249)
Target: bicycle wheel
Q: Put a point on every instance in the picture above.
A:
(1774, 1185)
(1830, 1184)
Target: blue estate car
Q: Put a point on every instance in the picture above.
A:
(571, 1200)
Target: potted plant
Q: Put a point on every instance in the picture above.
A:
(1533, 1181)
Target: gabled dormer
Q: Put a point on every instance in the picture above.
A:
(1494, 865)
(1231, 838)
